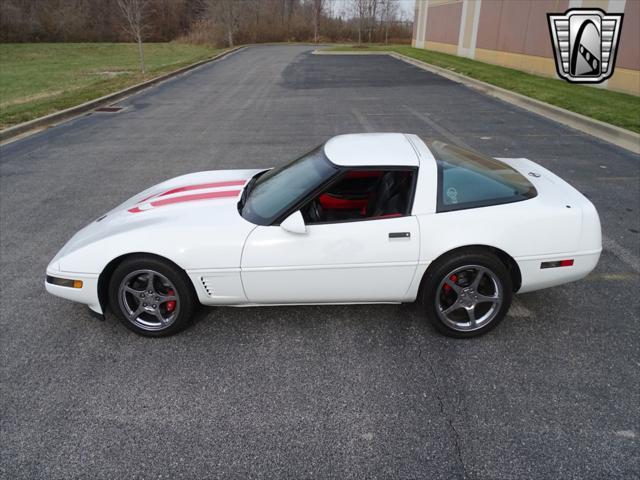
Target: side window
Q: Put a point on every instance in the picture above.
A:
(362, 195)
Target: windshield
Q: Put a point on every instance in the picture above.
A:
(277, 190)
(467, 179)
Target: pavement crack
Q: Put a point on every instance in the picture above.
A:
(456, 434)
(449, 135)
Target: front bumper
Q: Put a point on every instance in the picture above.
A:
(87, 294)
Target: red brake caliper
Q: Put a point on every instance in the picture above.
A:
(447, 288)
(171, 304)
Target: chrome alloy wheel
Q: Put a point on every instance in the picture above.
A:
(149, 300)
(468, 298)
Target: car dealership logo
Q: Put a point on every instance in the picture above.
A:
(585, 43)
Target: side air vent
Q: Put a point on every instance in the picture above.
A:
(207, 286)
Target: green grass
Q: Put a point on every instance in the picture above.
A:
(616, 108)
(40, 78)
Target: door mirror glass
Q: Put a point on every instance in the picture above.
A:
(294, 223)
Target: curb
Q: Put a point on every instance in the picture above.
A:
(54, 118)
(596, 128)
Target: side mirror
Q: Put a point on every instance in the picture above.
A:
(294, 223)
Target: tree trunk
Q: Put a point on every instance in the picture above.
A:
(257, 26)
(230, 36)
(141, 53)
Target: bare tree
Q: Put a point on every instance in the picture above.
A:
(360, 9)
(166, 17)
(372, 13)
(389, 10)
(256, 6)
(317, 9)
(134, 12)
(228, 11)
(221, 22)
(61, 18)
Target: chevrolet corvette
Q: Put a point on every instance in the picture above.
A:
(364, 218)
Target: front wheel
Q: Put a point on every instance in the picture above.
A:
(151, 297)
(467, 294)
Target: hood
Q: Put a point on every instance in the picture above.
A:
(178, 214)
(183, 191)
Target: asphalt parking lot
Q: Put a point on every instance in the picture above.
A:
(310, 392)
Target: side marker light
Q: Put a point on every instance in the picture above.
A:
(557, 263)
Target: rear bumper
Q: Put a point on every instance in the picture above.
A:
(536, 278)
(87, 295)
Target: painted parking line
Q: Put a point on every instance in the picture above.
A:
(624, 255)
(436, 126)
(363, 121)
(613, 277)
(617, 179)
(519, 310)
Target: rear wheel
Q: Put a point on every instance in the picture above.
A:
(151, 296)
(467, 294)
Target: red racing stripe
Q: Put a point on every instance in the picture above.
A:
(195, 196)
(229, 183)
(188, 198)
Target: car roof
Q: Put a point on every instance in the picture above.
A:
(371, 150)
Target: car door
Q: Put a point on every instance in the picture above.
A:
(373, 260)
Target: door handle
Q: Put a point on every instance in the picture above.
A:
(400, 235)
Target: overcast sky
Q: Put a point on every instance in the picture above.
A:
(406, 7)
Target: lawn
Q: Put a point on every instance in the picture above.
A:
(616, 108)
(41, 78)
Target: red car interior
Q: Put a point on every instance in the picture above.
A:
(331, 202)
(357, 195)
(358, 202)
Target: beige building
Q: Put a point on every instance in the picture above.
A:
(515, 33)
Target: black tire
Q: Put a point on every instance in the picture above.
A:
(448, 273)
(168, 282)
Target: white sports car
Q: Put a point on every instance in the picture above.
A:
(364, 218)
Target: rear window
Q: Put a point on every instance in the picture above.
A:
(467, 179)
